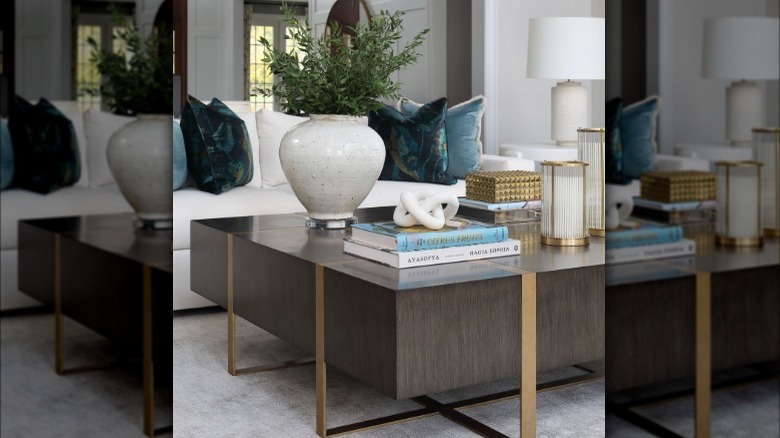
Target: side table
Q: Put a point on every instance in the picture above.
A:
(117, 280)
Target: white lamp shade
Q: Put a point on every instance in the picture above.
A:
(566, 48)
(741, 48)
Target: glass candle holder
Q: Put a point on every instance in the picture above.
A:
(738, 196)
(564, 204)
(590, 149)
(766, 150)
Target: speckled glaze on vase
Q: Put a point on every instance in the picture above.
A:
(140, 158)
(331, 163)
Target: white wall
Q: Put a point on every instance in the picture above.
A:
(145, 11)
(43, 49)
(215, 49)
(519, 107)
(693, 108)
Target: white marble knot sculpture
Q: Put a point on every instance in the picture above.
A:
(426, 209)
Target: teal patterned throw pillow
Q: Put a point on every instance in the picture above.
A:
(45, 148)
(416, 144)
(464, 129)
(219, 154)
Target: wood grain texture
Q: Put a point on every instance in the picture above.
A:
(274, 291)
(36, 263)
(570, 317)
(360, 330)
(745, 322)
(650, 333)
(208, 263)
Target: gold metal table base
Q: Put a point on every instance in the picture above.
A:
(451, 411)
(232, 330)
(147, 340)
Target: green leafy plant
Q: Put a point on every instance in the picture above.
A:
(138, 77)
(336, 73)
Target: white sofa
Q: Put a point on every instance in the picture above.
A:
(94, 193)
(97, 193)
(269, 193)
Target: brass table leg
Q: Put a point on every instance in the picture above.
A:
(528, 358)
(320, 367)
(231, 315)
(58, 347)
(148, 361)
(703, 355)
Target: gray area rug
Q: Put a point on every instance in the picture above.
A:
(210, 402)
(36, 402)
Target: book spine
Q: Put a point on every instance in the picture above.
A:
(647, 252)
(447, 239)
(458, 254)
(645, 236)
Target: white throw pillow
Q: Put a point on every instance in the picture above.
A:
(77, 118)
(99, 127)
(251, 127)
(271, 127)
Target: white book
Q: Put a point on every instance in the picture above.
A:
(645, 252)
(429, 257)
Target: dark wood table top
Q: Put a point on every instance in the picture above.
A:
(115, 234)
(288, 234)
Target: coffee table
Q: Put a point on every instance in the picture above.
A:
(406, 332)
(687, 317)
(102, 272)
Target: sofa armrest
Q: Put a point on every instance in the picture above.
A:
(673, 162)
(497, 162)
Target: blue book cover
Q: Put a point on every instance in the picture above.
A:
(646, 235)
(402, 239)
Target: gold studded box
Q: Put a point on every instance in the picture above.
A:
(678, 185)
(504, 186)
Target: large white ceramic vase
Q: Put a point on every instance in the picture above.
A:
(140, 158)
(331, 163)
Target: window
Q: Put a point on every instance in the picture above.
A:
(86, 80)
(258, 74)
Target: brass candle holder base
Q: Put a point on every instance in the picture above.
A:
(739, 241)
(556, 241)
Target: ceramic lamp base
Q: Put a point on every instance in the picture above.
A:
(744, 111)
(569, 112)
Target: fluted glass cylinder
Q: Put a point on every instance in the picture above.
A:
(590, 149)
(766, 150)
(564, 205)
(738, 196)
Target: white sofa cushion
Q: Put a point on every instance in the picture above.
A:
(271, 127)
(192, 204)
(99, 126)
(19, 204)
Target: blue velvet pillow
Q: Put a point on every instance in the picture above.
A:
(416, 145)
(219, 154)
(46, 154)
(638, 123)
(6, 156)
(463, 124)
(613, 147)
(179, 158)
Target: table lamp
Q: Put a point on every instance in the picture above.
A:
(570, 48)
(744, 49)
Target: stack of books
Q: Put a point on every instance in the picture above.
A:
(500, 213)
(647, 242)
(400, 247)
(674, 213)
